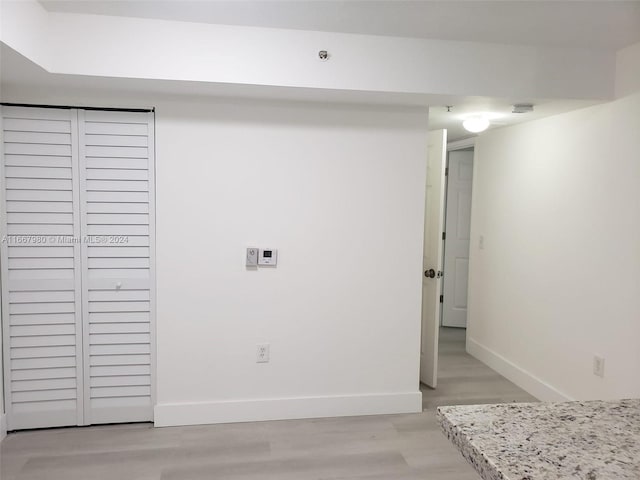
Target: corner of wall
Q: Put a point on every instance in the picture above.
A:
(518, 375)
(24, 27)
(628, 70)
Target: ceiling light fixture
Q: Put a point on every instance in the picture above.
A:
(476, 124)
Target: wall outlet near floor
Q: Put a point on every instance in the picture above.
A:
(598, 365)
(262, 353)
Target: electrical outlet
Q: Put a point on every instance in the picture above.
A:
(262, 353)
(598, 365)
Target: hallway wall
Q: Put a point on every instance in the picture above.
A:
(557, 203)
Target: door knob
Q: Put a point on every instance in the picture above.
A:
(431, 273)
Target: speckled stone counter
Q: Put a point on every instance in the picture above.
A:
(593, 440)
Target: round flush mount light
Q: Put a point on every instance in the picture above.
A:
(476, 123)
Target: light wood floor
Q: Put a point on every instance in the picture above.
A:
(463, 380)
(402, 447)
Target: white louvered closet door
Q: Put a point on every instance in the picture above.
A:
(116, 184)
(77, 276)
(41, 285)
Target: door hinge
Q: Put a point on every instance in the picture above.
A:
(446, 171)
(441, 298)
(444, 235)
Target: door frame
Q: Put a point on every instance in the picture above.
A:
(5, 371)
(152, 261)
(4, 270)
(465, 144)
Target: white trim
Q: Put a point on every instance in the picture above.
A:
(3, 426)
(78, 175)
(522, 378)
(174, 414)
(151, 132)
(4, 295)
(461, 144)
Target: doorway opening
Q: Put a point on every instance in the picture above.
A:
(447, 228)
(456, 238)
(453, 376)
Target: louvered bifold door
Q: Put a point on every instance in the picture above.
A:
(41, 285)
(116, 178)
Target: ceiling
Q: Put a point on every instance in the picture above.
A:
(603, 24)
(17, 72)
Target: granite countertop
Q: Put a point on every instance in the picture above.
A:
(591, 440)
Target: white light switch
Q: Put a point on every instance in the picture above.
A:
(252, 257)
(268, 257)
(598, 365)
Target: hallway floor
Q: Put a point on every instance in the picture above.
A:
(463, 380)
(402, 447)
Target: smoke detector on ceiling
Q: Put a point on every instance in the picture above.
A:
(522, 108)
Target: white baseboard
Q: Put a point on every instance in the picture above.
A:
(3, 426)
(168, 414)
(522, 378)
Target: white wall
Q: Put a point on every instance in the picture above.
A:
(339, 191)
(558, 203)
(628, 70)
(26, 23)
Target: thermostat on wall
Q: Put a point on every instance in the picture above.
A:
(268, 257)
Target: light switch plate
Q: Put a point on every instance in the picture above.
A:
(598, 365)
(262, 353)
(252, 256)
(268, 257)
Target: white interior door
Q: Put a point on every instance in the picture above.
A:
(432, 260)
(42, 321)
(116, 184)
(456, 249)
